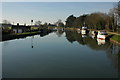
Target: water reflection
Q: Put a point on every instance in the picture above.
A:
(92, 36)
(100, 41)
(84, 36)
(59, 33)
(44, 32)
(32, 41)
(112, 50)
(72, 36)
(56, 56)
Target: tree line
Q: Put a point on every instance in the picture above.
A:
(97, 20)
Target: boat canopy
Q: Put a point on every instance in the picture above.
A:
(102, 33)
(84, 27)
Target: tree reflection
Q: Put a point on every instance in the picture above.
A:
(59, 33)
(44, 32)
(112, 50)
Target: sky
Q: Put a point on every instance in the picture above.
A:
(50, 12)
(59, 0)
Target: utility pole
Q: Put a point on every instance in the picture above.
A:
(31, 23)
(17, 27)
(32, 36)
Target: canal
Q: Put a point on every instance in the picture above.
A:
(59, 55)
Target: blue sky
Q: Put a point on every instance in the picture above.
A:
(23, 12)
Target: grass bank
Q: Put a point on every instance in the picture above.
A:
(18, 35)
(26, 33)
(115, 38)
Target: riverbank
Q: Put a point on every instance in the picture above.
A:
(18, 35)
(113, 36)
(25, 34)
(115, 39)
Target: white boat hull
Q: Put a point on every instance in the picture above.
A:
(83, 31)
(101, 36)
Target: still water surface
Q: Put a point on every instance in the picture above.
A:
(59, 55)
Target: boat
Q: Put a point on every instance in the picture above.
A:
(92, 34)
(84, 30)
(102, 35)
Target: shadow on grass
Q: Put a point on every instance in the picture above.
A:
(109, 36)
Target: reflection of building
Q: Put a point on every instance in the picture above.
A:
(100, 41)
(20, 28)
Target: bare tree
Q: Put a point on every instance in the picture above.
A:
(38, 23)
(6, 22)
(58, 22)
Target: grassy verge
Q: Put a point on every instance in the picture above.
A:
(18, 35)
(116, 38)
(25, 33)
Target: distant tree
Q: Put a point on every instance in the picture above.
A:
(6, 22)
(118, 8)
(38, 23)
(6, 27)
(61, 25)
(45, 24)
(49, 24)
(115, 17)
(79, 21)
(96, 20)
(59, 21)
(70, 20)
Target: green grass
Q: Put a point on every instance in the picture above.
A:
(26, 33)
(116, 38)
(7, 27)
(32, 28)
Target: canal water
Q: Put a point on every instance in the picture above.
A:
(59, 55)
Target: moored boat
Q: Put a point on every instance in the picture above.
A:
(102, 35)
(84, 30)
